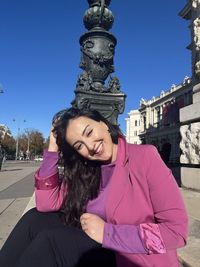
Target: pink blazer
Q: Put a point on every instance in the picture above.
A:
(143, 192)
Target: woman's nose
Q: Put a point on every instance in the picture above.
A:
(90, 147)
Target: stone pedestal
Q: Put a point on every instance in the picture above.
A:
(190, 143)
(190, 178)
(190, 115)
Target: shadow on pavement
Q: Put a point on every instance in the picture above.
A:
(20, 189)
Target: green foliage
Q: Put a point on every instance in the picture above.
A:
(9, 145)
(32, 139)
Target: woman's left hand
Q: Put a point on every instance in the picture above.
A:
(93, 226)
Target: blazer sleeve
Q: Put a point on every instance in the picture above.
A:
(171, 222)
(50, 192)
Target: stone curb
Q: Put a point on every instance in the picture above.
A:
(30, 205)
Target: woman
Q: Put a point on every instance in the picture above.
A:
(113, 201)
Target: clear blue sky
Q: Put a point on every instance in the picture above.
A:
(40, 54)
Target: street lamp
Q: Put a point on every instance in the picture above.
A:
(28, 145)
(17, 141)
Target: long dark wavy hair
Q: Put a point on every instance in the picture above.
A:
(81, 175)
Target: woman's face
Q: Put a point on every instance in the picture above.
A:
(91, 139)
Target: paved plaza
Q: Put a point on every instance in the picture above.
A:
(16, 188)
(16, 195)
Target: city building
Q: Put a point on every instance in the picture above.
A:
(4, 130)
(158, 121)
(133, 127)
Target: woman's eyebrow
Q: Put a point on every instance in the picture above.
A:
(85, 130)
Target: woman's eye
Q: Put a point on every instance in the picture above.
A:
(79, 147)
(89, 133)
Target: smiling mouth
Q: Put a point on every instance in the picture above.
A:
(99, 149)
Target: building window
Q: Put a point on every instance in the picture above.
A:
(158, 114)
(135, 133)
(190, 93)
(144, 119)
(135, 122)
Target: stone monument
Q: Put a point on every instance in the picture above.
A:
(97, 62)
(190, 115)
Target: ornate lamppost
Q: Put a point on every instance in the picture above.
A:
(97, 54)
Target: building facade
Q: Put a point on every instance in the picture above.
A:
(133, 127)
(159, 120)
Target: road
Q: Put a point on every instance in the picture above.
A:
(16, 188)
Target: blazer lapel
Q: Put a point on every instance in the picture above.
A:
(117, 190)
(119, 180)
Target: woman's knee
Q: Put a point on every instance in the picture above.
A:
(30, 215)
(34, 221)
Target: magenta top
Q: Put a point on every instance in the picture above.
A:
(129, 233)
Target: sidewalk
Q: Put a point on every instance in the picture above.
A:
(190, 255)
(16, 188)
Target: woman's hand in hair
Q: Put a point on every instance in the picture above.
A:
(52, 137)
(52, 142)
(93, 226)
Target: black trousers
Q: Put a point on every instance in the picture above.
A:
(42, 240)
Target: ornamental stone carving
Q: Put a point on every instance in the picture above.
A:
(162, 93)
(173, 87)
(84, 103)
(196, 4)
(97, 55)
(114, 85)
(186, 80)
(84, 82)
(98, 17)
(197, 68)
(143, 102)
(196, 24)
(190, 143)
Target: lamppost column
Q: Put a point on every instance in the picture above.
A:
(17, 144)
(28, 147)
(17, 140)
(97, 63)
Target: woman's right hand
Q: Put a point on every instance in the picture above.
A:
(52, 142)
(52, 138)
